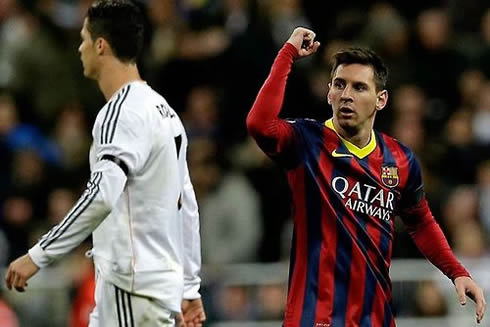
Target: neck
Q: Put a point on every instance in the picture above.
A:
(360, 136)
(114, 74)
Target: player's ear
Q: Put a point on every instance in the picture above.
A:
(99, 46)
(381, 99)
(329, 86)
(102, 46)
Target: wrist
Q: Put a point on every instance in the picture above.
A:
(290, 49)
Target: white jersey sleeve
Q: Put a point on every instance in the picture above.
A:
(105, 185)
(192, 241)
(118, 135)
(121, 132)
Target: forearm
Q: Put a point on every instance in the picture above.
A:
(263, 121)
(430, 240)
(192, 242)
(104, 188)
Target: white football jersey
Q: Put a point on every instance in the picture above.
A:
(139, 203)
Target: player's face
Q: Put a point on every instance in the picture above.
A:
(87, 52)
(352, 94)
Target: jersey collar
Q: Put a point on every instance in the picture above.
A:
(361, 153)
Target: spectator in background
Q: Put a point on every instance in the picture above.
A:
(167, 23)
(4, 248)
(470, 85)
(229, 207)
(45, 50)
(16, 220)
(271, 186)
(483, 184)
(271, 301)
(483, 59)
(15, 29)
(461, 207)
(429, 300)
(233, 302)
(387, 32)
(459, 154)
(20, 136)
(201, 115)
(433, 53)
(469, 241)
(481, 117)
(72, 137)
(408, 117)
(32, 178)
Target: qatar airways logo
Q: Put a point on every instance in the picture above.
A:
(365, 198)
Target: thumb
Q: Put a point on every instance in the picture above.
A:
(179, 321)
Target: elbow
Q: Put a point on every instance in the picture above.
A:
(106, 206)
(253, 126)
(259, 128)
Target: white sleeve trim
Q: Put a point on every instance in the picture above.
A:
(191, 291)
(39, 256)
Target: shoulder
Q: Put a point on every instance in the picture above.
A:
(305, 124)
(396, 147)
(141, 104)
(140, 98)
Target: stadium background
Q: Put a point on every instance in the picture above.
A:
(209, 59)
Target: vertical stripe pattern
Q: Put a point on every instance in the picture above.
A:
(124, 308)
(339, 273)
(87, 198)
(111, 117)
(110, 106)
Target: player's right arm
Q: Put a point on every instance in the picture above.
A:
(121, 151)
(272, 134)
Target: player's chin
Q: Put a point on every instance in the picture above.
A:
(346, 122)
(88, 74)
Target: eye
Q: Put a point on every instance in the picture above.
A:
(360, 87)
(338, 84)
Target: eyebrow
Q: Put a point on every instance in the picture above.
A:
(353, 82)
(361, 83)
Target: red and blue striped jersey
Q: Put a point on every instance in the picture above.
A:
(344, 210)
(345, 200)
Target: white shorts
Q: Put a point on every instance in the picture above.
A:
(118, 308)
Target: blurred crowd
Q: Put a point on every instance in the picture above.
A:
(209, 59)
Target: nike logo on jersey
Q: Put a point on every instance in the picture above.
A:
(340, 155)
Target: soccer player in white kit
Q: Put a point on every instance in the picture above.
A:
(139, 204)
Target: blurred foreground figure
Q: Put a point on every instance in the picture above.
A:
(139, 204)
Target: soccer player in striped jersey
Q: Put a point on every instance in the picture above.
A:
(348, 183)
(139, 204)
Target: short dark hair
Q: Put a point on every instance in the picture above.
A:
(362, 56)
(121, 23)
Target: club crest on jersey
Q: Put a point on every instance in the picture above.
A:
(389, 176)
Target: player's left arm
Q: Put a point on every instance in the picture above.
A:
(106, 184)
(430, 240)
(192, 307)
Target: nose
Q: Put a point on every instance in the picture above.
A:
(346, 93)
